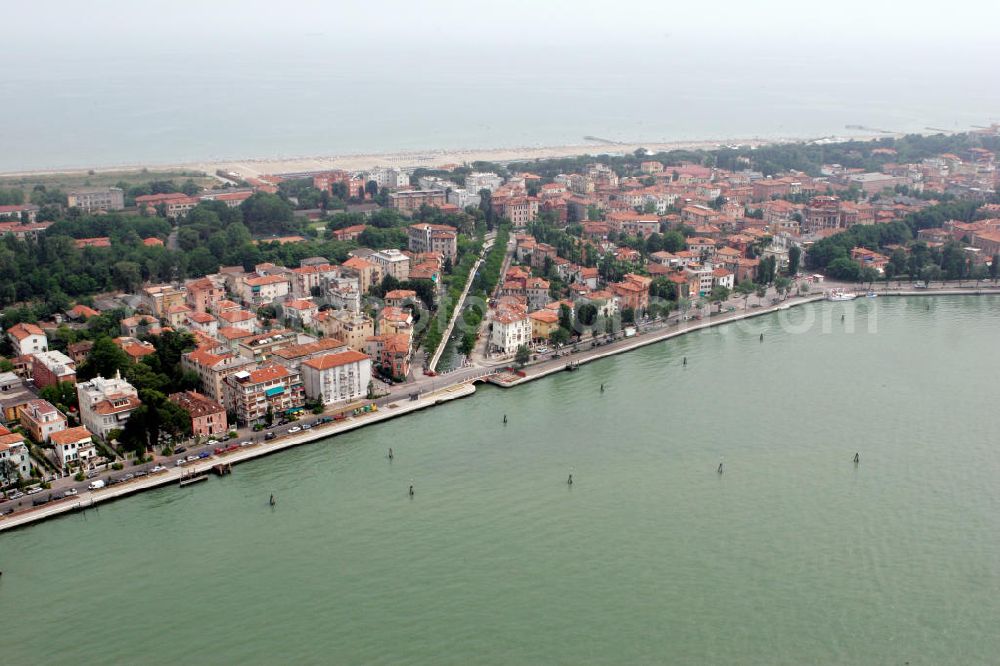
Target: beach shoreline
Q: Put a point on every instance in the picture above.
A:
(433, 398)
(408, 159)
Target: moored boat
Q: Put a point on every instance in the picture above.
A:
(840, 295)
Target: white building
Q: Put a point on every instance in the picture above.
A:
(511, 329)
(106, 404)
(392, 178)
(14, 460)
(73, 446)
(337, 377)
(28, 339)
(482, 180)
(264, 289)
(343, 293)
(392, 262)
(464, 198)
(434, 183)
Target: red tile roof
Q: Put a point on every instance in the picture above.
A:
(335, 360)
(70, 435)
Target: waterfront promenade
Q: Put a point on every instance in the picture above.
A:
(430, 391)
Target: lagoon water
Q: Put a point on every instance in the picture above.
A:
(793, 555)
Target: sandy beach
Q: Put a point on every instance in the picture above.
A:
(253, 167)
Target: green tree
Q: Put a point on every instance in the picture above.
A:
(560, 336)
(718, 296)
(586, 314)
(127, 276)
(565, 317)
(105, 359)
(745, 289)
(265, 213)
(522, 356)
(794, 256)
(62, 395)
(783, 285)
(843, 268)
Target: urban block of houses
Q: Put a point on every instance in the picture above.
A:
(543, 323)
(49, 368)
(337, 378)
(106, 404)
(213, 365)
(15, 462)
(40, 419)
(272, 388)
(14, 395)
(390, 353)
(27, 339)
(866, 258)
(73, 446)
(208, 417)
(203, 294)
(440, 238)
(511, 329)
(353, 328)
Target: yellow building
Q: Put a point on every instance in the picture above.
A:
(543, 322)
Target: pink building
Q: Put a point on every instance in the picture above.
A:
(208, 418)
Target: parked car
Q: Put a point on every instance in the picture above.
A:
(294, 429)
(158, 468)
(192, 458)
(16, 494)
(246, 442)
(70, 492)
(96, 485)
(34, 491)
(203, 454)
(306, 426)
(180, 449)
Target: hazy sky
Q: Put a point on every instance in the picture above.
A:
(40, 27)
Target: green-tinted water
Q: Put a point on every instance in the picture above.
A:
(793, 555)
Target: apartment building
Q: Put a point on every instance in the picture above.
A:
(440, 238)
(48, 368)
(208, 417)
(41, 418)
(353, 328)
(251, 394)
(106, 404)
(212, 365)
(93, 200)
(392, 262)
(27, 339)
(337, 378)
(73, 446)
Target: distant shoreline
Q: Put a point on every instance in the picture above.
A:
(254, 167)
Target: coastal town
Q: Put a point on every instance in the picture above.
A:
(152, 326)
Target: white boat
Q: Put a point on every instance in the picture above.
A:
(872, 294)
(840, 295)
